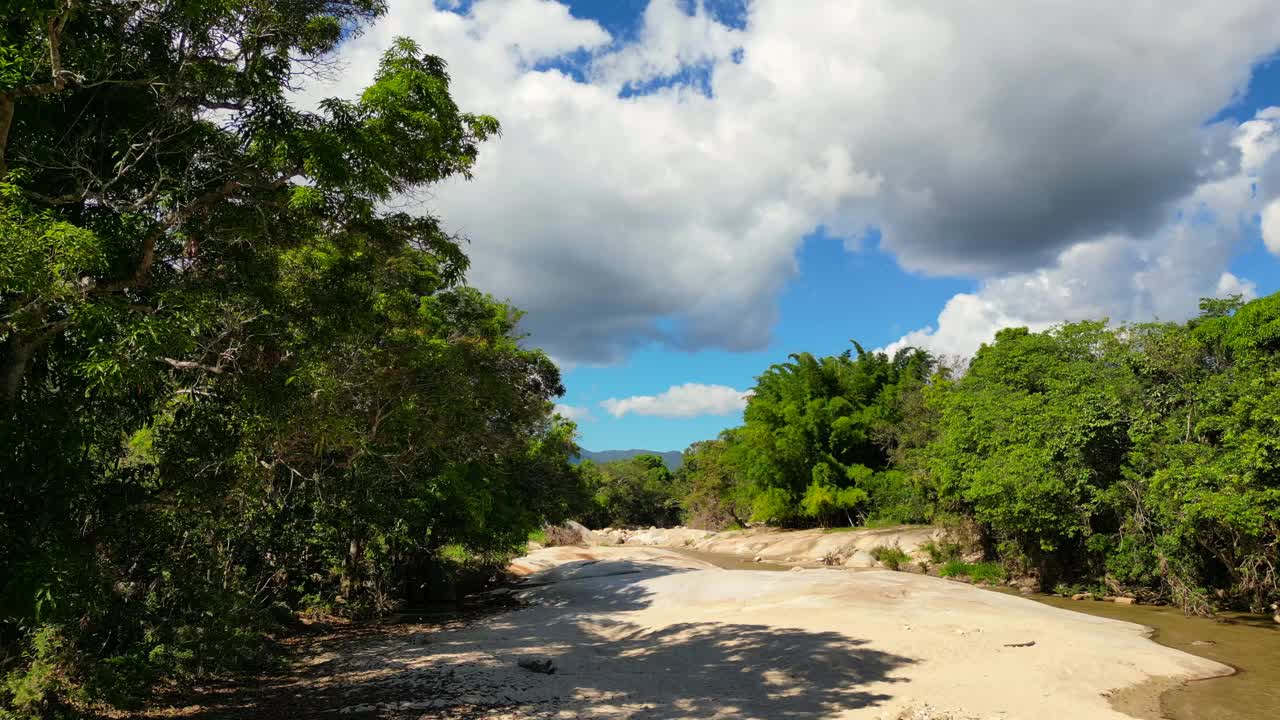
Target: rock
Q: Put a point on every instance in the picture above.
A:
(1202, 643)
(1028, 643)
(1125, 601)
(538, 665)
(1082, 596)
(757, 559)
(581, 529)
(797, 569)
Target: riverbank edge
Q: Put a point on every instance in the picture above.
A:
(1143, 700)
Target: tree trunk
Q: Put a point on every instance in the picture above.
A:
(15, 366)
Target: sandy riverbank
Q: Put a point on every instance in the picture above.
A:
(643, 632)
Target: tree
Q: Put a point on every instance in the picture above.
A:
(815, 427)
(233, 382)
(638, 491)
(717, 497)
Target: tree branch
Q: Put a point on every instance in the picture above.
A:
(57, 82)
(191, 365)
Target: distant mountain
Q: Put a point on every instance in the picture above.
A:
(671, 459)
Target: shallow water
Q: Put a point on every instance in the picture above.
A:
(1249, 643)
(726, 561)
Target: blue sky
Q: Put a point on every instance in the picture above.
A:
(687, 191)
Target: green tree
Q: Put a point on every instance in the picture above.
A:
(233, 382)
(638, 491)
(717, 497)
(815, 430)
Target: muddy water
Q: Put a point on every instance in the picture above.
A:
(729, 562)
(1249, 643)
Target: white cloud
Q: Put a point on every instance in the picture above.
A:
(575, 413)
(993, 139)
(681, 401)
(1271, 226)
(1122, 277)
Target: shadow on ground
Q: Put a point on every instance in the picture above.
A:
(606, 666)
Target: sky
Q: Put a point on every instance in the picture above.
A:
(686, 191)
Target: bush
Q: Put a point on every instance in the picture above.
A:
(555, 535)
(891, 557)
(941, 553)
(981, 572)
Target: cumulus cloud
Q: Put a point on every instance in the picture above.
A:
(983, 138)
(575, 413)
(1127, 278)
(681, 401)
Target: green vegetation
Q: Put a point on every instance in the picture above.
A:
(1144, 458)
(942, 552)
(638, 491)
(891, 557)
(233, 385)
(981, 572)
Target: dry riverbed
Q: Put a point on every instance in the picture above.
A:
(643, 632)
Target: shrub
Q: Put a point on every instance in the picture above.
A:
(891, 557)
(940, 553)
(981, 572)
(554, 535)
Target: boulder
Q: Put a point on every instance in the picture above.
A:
(581, 529)
(1125, 601)
(1082, 596)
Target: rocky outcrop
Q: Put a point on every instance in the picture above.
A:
(851, 548)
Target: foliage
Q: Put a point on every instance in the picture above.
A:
(942, 552)
(892, 557)
(814, 438)
(638, 491)
(981, 572)
(716, 498)
(1143, 459)
(232, 380)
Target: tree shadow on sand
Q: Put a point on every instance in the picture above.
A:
(605, 666)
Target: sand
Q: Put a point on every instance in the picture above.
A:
(642, 632)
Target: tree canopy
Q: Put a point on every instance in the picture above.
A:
(1140, 459)
(235, 383)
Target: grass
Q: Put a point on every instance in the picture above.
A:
(941, 553)
(872, 524)
(883, 523)
(981, 572)
(538, 536)
(892, 557)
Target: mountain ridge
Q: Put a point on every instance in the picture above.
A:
(671, 458)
